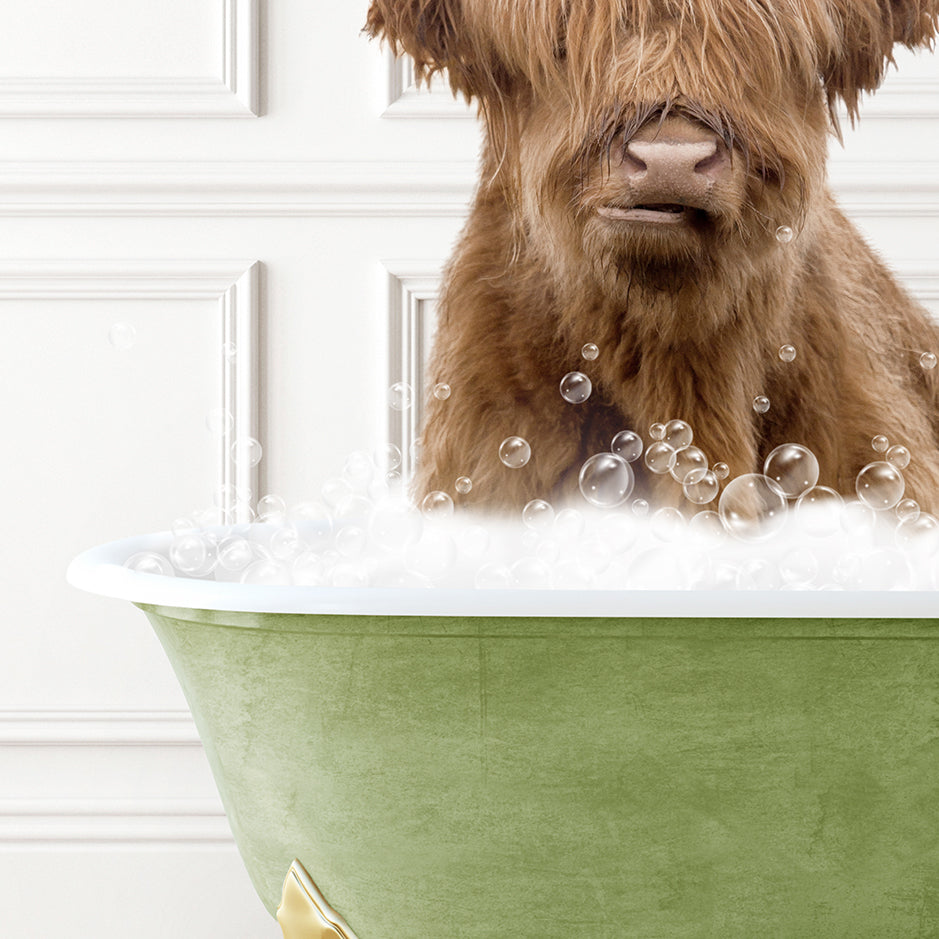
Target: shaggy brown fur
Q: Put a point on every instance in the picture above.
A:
(689, 316)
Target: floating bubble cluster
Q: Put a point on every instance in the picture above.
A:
(774, 530)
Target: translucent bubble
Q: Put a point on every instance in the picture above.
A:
(784, 234)
(668, 524)
(678, 435)
(266, 572)
(628, 445)
(721, 470)
(493, 576)
(514, 452)
(606, 480)
(640, 508)
(590, 351)
(400, 396)
(880, 485)
(122, 336)
(437, 505)
(271, 508)
(899, 456)
(657, 431)
(358, 469)
(880, 443)
(286, 543)
(752, 508)
(314, 522)
(758, 574)
(700, 486)
(441, 391)
(229, 352)
(687, 460)
(388, 457)
(350, 541)
(660, 457)
(220, 422)
(619, 531)
(434, 555)
(798, 567)
(183, 524)
(474, 542)
(463, 485)
(707, 527)
(235, 554)
(569, 525)
(530, 573)
(335, 490)
(538, 515)
(787, 353)
(395, 526)
(919, 532)
(416, 450)
(907, 508)
(348, 575)
(857, 518)
(819, 511)
(928, 360)
(793, 468)
(189, 553)
(246, 451)
(150, 562)
(761, 404)
(576, 387)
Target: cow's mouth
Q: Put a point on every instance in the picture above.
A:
(662, 213)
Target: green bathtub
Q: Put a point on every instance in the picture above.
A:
(571, 772)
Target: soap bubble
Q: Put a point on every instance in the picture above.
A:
(441, 391)
(388, 457)
(569, 525)
(668, 524)
(400, 396)
(857, 518)
(493, 576)
(122, 335)
(235, 554)
(687, 460)
(286, 543)
(265, 572)
(474, 542)
(190, 553)
(606, 480)
(590, 351)
(799, 566)
(514, 452)
(657, 431)
(463, 485)
(787, 353)
(434, 555)
(271, 508)
(309, 569)
(793, 468)
(220, 422)
(150, 562)
(314, 520)
(721, 470)
(761, 404)
(640, 508)
(628, 445)
(759, 574)
(350, 541)
(348, 575)
(358, 469)
(395, 526)
(784, 234)
(880, 485)
(246, 451)
(335, 491)
(575, 387)
(752, 508)
(660, 457)
(880, 443)
(701, 486)
(707, 527)
(437, 505)
(819, 510)
(530, 573)
(678, 435)
(920, 531)
(928, 360)
(229, 352)
(906, 509)
(538, 515)
(899, 456)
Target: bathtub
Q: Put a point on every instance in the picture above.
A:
(533, 764)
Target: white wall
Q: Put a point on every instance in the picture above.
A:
(201, 169)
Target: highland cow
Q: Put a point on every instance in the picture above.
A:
(653, 181)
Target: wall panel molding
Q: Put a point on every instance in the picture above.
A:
(404, 99)
(233, 93)
(235, 288)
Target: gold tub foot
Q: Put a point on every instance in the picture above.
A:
(304, 913)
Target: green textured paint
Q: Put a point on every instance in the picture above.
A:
(549, 778)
